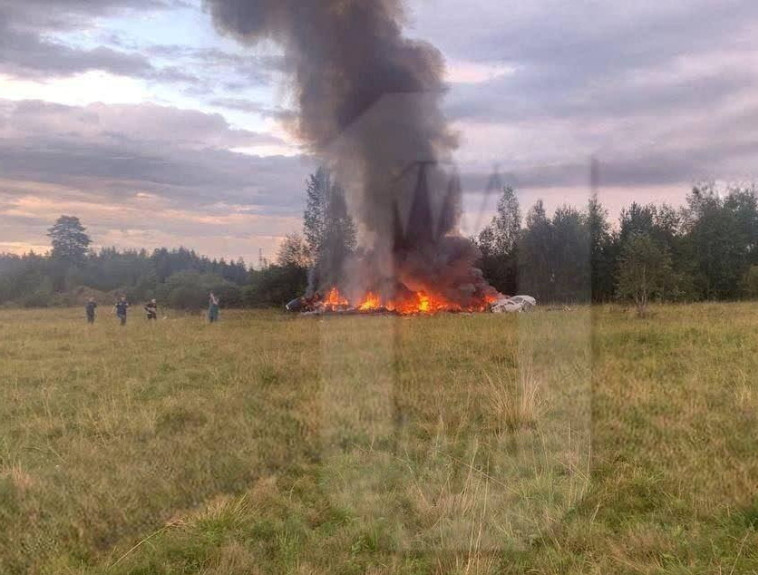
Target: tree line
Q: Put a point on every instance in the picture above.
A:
(705, 250)
(180, 278)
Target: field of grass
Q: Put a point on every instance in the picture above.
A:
(584, 441)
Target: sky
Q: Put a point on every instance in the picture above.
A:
(154, 129)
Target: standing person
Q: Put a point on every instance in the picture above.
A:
(152, 309)
(121, 306)
(90, 308)
(213, 308)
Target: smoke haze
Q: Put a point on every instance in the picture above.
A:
(369, 108)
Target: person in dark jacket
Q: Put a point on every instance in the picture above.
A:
(152, 309)
(90, 308)
(121, 308)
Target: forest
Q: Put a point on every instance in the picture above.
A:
(704, 250)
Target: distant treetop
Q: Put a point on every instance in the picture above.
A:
(69, 238)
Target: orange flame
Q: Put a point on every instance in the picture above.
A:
(371, 302)
(416, 303)
(335, 301)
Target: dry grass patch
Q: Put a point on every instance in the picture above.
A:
(449, 444)
(514, 400)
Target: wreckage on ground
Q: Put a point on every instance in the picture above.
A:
(515, 304)
(333, 302)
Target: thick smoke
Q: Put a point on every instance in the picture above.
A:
(369, 107)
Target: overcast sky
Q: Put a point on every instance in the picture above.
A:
(138, 117)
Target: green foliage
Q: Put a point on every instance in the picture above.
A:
(276, 285)
(70, 240)
(328, 228)
(40, 295)
(314, 218)
(573, 255)
(294, 251)
(644, 271)
(40, 281)
(499, 242)
(722, 230)
(188, 449)
(505, 228)
(189, 290)
(570, 256)
(554, 255)
(602, 253)
(750, 282)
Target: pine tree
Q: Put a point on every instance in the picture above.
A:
(328, 229)
(69, 239)
(601, 246)
(499, 241)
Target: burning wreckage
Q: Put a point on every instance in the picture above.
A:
(369, 109)
(431, 268)
(335, 303)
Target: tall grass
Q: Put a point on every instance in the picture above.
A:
(514, 399)
(556, 442)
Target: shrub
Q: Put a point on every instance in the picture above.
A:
(750, 283)
(276, 285)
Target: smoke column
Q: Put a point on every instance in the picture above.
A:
(369, 107)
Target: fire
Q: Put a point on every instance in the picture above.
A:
(420, 302)
(371, 302)
(334, 301)
(411, 303)
(424, 305)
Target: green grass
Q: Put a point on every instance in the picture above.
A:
(554, 442)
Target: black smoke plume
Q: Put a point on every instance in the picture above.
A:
(369, 107)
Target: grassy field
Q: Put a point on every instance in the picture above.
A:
(585, 441)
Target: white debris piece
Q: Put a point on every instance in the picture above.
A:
(517, 303)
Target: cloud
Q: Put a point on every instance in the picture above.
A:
(210, 70)
(157, 169)
(586, 38)
(29, 49)
(251, 107)
(143, 224)
(661, 92)
(27, 55)
(126, 125)
(41, 39)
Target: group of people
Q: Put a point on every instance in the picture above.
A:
(151, 309)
